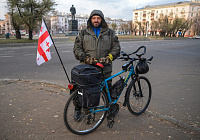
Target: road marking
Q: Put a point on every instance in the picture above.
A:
(5, 56)
(28, 54)
(65, 51)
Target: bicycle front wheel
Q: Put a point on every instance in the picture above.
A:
(88, 122)
(138, 95)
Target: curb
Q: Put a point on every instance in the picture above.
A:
(149, 112)
(174, 121)
(57, 40)
(60, 40)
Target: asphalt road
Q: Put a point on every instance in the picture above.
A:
(174, 74)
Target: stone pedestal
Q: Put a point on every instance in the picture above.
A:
(73, 26)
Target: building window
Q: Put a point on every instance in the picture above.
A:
(191, 14)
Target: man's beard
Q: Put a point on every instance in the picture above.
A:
(96, 26)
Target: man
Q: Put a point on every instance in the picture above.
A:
(96, 43)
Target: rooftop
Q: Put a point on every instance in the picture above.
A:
(168, 4)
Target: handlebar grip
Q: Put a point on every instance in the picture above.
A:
(150, 59)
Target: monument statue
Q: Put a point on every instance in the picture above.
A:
(73, 12)
(73, 24)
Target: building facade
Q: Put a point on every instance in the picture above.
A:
(59, 22)
(188, 10)
(5, 25)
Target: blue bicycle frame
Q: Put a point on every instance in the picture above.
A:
(105, 84)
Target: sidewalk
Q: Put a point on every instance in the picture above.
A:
(34, 110)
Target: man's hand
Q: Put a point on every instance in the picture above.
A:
(90, 60)
(104, 60)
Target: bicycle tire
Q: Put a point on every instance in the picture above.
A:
(82, 127)
(134, 96)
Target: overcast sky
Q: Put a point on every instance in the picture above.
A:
(121, 9)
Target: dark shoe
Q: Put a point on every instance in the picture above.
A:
(77, 115)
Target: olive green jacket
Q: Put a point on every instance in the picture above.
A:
(88, 44)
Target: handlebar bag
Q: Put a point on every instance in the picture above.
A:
(142, 66)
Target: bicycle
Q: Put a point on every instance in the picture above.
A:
(137, 98)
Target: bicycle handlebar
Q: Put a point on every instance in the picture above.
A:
(126, 56)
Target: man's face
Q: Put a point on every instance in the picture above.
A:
(96, 21)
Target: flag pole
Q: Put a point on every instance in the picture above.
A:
(57, 52)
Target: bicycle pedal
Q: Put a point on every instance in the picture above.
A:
(110, 123)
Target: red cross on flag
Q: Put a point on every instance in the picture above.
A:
(44, 43)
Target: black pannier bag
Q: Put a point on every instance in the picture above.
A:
(89, 79)
(85, 75)
(89, 97)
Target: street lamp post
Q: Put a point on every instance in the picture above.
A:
(147, 29)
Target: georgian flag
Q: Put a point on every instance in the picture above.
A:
(44, 43)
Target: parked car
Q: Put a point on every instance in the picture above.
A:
(196, 37)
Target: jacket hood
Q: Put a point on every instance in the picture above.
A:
(99, 13)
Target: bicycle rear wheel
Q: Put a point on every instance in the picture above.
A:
(138, 95)
(88, 121)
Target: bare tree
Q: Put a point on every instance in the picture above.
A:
(154, 27)
(114, 26)
(135, 28)
(15, 18)
(186, 25)
(130, 27)
(140, 27)
(143, 27)
(163, 26)
(196, 25)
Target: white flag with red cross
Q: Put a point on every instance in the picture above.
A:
(44, 43)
